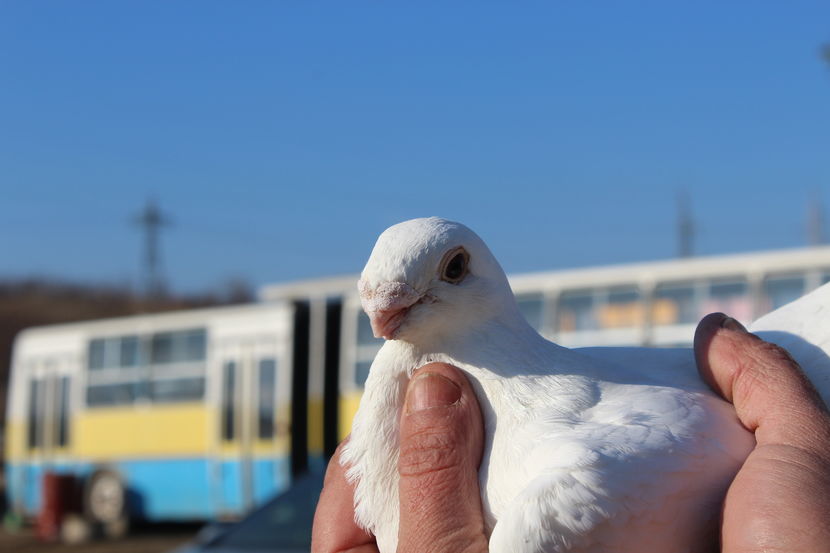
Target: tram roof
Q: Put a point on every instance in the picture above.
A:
(174, 316)
(770, 262)
(641, 273)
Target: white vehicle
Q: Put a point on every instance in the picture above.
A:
(203, 414)
(641, 304)
(182, 415)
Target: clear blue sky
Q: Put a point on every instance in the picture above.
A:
(282, 137)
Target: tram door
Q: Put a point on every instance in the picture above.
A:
(251, 429)
(47, 424)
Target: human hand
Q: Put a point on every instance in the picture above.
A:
(780, 499)
(441, 437)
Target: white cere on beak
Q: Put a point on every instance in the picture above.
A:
(387, 296)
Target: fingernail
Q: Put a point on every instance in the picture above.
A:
(430, 390)
(732, 324)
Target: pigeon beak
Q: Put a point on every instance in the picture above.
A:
(387, 305)
(385, 324)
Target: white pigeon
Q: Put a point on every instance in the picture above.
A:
(597, 450)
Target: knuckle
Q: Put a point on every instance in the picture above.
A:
(427, 451)
(766, 372)
(753, 367)
(773, 354)
(745, 382)
(770, 364)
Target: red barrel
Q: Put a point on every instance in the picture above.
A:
(59, 497)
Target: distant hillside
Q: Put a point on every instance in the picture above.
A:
(34, 302)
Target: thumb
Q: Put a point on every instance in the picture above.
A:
(780, 498)
(441, 443)
(771, 394)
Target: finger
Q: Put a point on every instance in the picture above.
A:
(441, 445)
(781, 495)
(334, 529)
(772, 396)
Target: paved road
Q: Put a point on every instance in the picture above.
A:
(143, 540)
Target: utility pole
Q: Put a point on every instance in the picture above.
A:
(685, 226)
(815, 221)
(151, 219)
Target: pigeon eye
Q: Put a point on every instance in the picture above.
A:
(454, 268)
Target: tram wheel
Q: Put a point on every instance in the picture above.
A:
(105, 502)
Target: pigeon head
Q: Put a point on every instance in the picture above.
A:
(428, 277)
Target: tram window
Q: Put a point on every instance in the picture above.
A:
(178, 389)
(675, 303)
(63, 412)
(111, 353)
(162, 348)
(624, 309)
(130, 351)
(782, 290)
(576, 311)
(99, 395)
(34, 436)
(195, 345)
(727, 290)
(142, 388)
(96, 354)
(228, 403)
(179, 346)
(267, 381)
(361, 372)
(531, 307)
(729, 297)
(364, 330)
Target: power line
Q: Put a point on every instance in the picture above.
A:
(685, 226)
(151, 219)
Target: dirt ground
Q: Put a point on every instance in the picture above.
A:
(151, 539)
